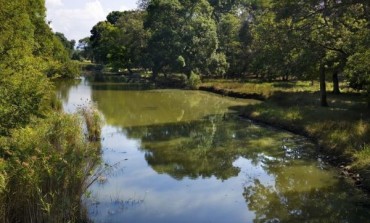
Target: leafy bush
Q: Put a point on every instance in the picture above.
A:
(25, 93)
(69, 69)
(193, 81)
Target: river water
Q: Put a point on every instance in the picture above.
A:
(186, 156)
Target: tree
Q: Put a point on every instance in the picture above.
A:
(84, 49)
(131, 41)
(24, 89)
(181, 29)
(114, 16)
(69, 45)
(102, 40)
(326, 28)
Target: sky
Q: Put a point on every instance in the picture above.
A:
(75, 18)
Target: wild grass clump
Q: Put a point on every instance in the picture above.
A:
(44, 170)
(93, 121)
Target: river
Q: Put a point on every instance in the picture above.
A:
(186, 156)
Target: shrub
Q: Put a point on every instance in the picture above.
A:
(193, 81)
(93, 122)
(46, 167)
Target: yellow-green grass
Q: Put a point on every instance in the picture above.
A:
(267, 89)
(342, 130)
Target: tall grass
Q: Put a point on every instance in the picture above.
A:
(45, 169)
(93, 121)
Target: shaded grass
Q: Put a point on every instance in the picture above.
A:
(342, 130)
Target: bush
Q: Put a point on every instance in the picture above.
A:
(193, 81)
(25, 93)
(46, 167)
(69, 69)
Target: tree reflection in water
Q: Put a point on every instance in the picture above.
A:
(193, 137)
(278, 204)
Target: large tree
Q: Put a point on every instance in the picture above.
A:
(183, 36)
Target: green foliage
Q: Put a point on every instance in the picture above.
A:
(24, 93)
(47, 164)
(68, 69)
(230, 44)
(93, 122)
(84, 50)
(358, 69)
(131, 41)
(45, 159)
(218, 64)
(101, 41)
(69, 45)
(194, 81)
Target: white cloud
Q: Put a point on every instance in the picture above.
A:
(123, 8)
(76, 23)
(75, 18)
(53, 3)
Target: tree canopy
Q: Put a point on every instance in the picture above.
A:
(270, 40)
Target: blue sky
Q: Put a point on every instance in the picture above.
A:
(75, 18)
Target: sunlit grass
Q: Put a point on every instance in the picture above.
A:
(342, 129)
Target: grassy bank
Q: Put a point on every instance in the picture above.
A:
(342, 130)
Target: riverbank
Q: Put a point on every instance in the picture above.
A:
(341, 130)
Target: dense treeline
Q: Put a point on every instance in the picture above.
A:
(269, 40)
(43, 164)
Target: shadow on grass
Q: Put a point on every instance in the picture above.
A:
(342, 129)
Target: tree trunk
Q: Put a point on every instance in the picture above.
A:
(336, 89)
(368, 96)
(323, 100)
(154, 74)
(129, 70)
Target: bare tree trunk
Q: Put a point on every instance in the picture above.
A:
(336, 89)
(323, 100)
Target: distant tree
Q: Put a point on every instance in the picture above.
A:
(131, 42)
(84, 49)
(69, 45)
(102, 41)
(114, 16)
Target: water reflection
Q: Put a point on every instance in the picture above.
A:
(208, 147)
(331, 203)
(183, 156)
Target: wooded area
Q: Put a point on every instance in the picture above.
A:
(269, 40)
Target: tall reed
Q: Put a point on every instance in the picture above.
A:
(45, 169)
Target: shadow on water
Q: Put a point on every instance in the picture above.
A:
(209, 147)
(193, 160)
(64, 87)
(303, 186)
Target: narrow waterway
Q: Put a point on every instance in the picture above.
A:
(186, 156)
